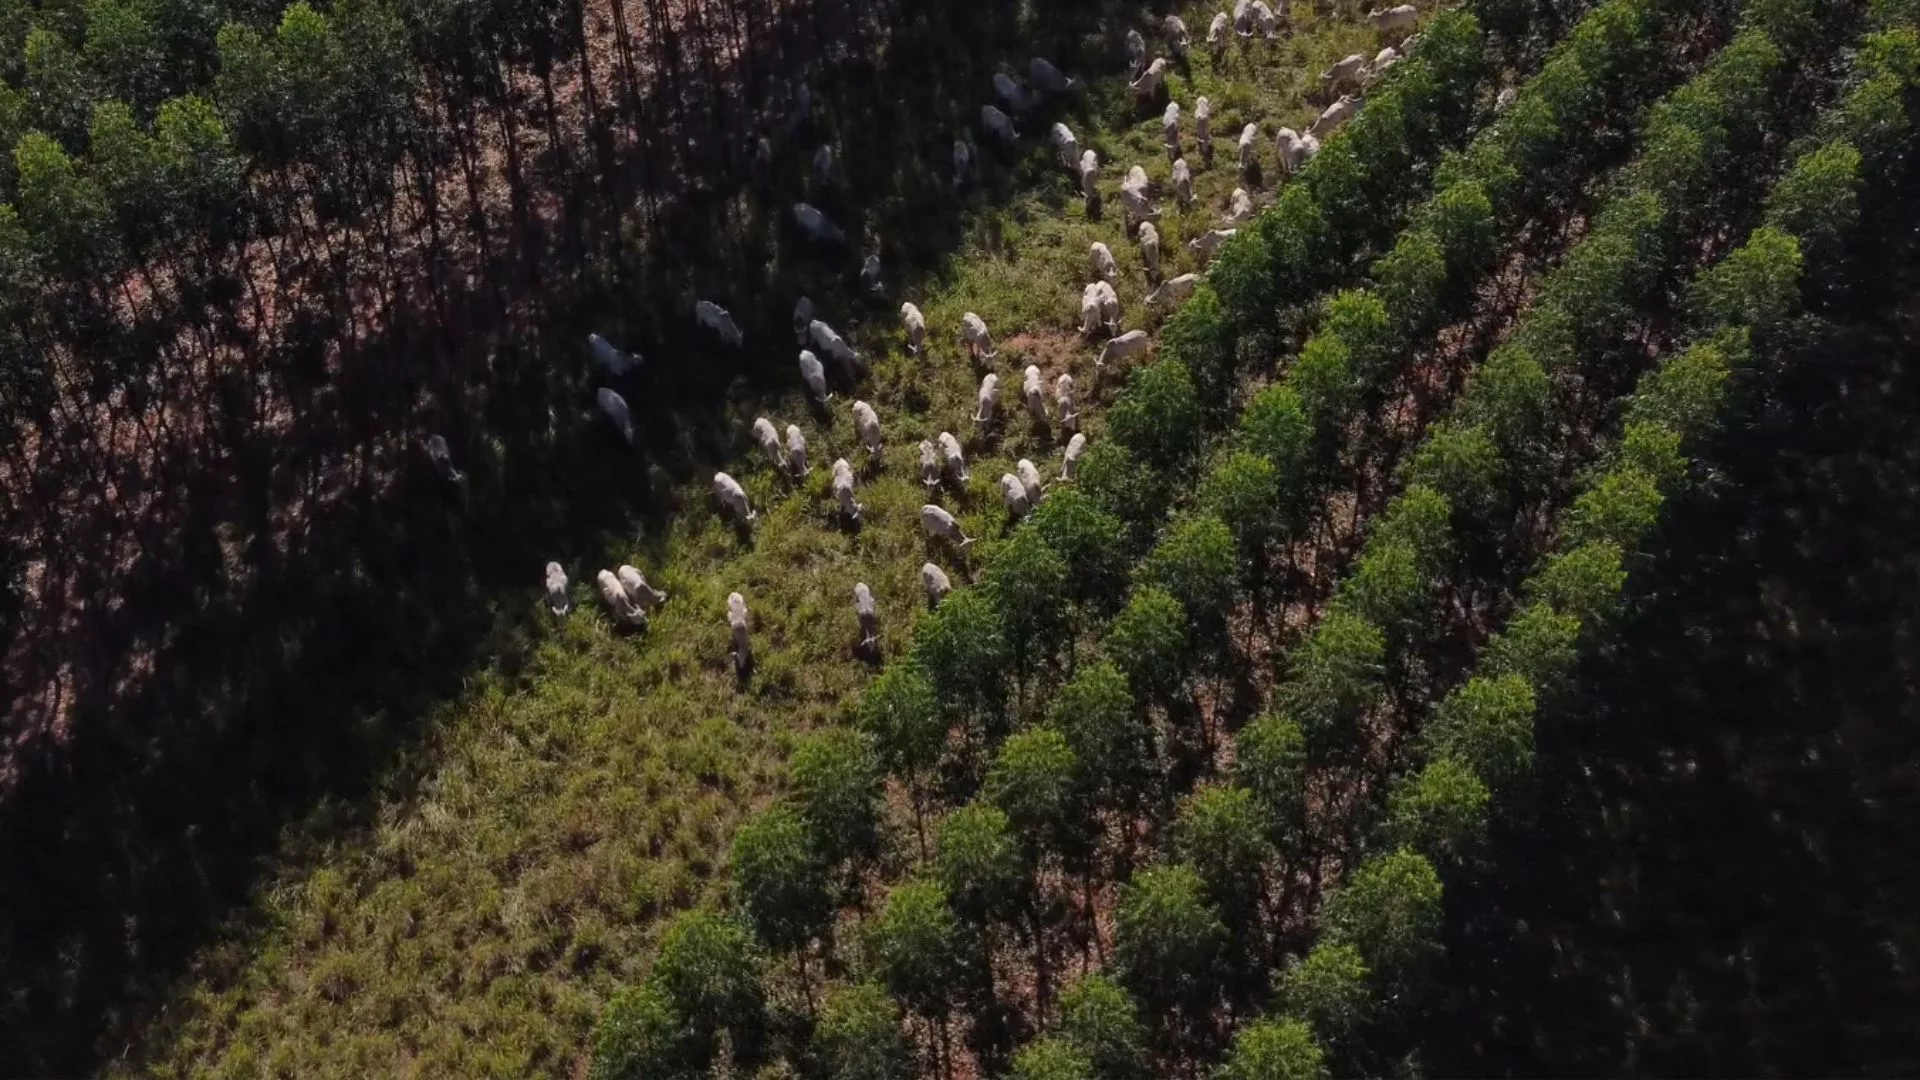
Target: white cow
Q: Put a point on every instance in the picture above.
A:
(1170, 128)
(1394, 20)
(1176, 32)
(1065, 146)
(1173, 290)
(828, 341)
(614, 408)
(1109, 306)
(934, 580)
(987, 399)
(823, 164)
(635, 584)
(802, 107)
(1102, 258)
(1046, 78)
(715, 318)
(1090, 180)
(1335, 116)
(737, 625)
(1150, 80)
(1033, 390)
(1382, 61)
(1239, 206)
(617, 601)
(733, 498)
(867, 423)
(1207, 244)
(768, 436)
(870, 276)
(1014, 494)
(816, 224)
(1264, 20)
(1249, 148)
(975, 338)
(1203, 128)
(1133, 196)
(1070, 461)
(929, 464)
(1029, 478)
(998, 125)
(1344, 75)
(1182, 184)
(1009, 92)
(442, 458)
(1090, 309)
(843, 490)
(802, 318)
(814, 374)
(962, 162)
(1505, 99)
(1217, 33)
(615, 362)
(1293, 150)
(1136, 52)
(956, 460)
(797, 452)
(1063, 401)
(1149, 248)
(865, 613)
(938, 523)
(916, 324)
(1130, 344)
(557, 600)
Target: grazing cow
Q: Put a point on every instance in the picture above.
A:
(802, 318)
(1173, 290)
(1149, 249)
(999, 125)
(1249, 149)
(1029, 478)
(797, 452)
(1034, 392)
(1311, 145)
(1382, 61)
(1150, 81)
(614, 408)
(1207, 244)
(1063, 400)
(1170, 128)
(814, 375)
(1243, 18)
(817, 225)
(1090, 181)
(802, 107)
(1217, 34)
(1293, 150)
(615, 362)
(828, 341)
(1127, 345)
(1090, 309)
(1070, 461)
(624, 609)
(975, 338)
(1506, 98)
(867, 423)
(1136, 53)
(1182, 184)
(934, 580)
(1065, 146)
(916, 324)
(1176, 32)
(823, 173)
(635, 584)
(768, 436)
(733, 499)
(1014, 494)
(737, 625)
(938, 523)
(1109, 306)
(1239, 206)
(1393, 21)
(866, 615)
(715, 318)
(1009, 92)
(557, 600)
(929, 464)
(987, 399)
(843, 490)
(442, 458)
(1344, 75)
(1265, 21)
(1133, 196)
(1335, 116)
(962, 163)
(956, 460)
(1203, 129)
(1103, 264)
(870, 277)
(1046, 78)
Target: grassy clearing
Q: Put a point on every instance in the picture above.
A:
(586, 781)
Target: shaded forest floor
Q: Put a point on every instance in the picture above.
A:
(1722, 878)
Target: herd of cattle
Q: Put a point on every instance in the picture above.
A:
(625, 591)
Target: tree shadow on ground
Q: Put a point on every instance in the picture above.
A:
(1718, 876)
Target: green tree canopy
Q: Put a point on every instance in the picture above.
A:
(902, 714)
(917, 941)
(1440, 811)
(708, 971)
(1091, 540)
(1274, 1050)
(1098, 1018)
(1149, 642)
(835, 782)
(1052, 1058)
(1110, 741)
(1028, 582)
(1328, 989)
(860, 1037)
(1167, 938)
(641, 1036)
(1389, 912)
(977, 859)
(963, 649)
(781, 879)
(1032, 780)
(1220, 831)
(1157, 418)
(1271, 762)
